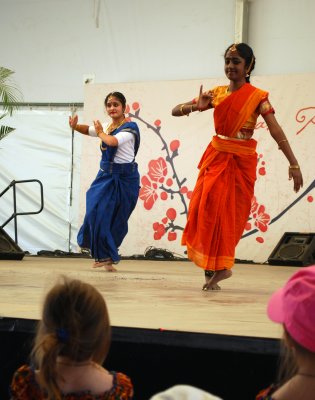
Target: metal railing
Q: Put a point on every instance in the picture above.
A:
(15, 213)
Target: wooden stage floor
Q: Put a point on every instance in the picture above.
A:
(156, 295)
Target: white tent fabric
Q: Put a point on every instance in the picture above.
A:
(40, 148)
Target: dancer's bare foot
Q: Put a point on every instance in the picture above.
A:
(208, 275)
(105, 263)
(207, 287)
(218, 276)
(99, 264)
(110, 268)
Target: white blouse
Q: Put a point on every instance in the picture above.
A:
(126, 140)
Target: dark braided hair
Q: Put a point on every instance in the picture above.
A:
(118, 95)
(247, 54)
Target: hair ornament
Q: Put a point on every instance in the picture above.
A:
(62, 335)
(233, 47)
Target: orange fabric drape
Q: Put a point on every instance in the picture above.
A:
(231, 114)
(221, 200)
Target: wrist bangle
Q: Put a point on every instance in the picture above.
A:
(295, 166)
(99, 133)
(281, 141)
(182, 109)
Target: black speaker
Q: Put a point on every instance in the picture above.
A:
(9, 250)
(294, 249)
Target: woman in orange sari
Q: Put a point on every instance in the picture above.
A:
(221, 201)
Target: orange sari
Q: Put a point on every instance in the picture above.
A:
(221, 201)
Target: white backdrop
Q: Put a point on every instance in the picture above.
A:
(150, 105)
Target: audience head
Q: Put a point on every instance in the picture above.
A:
(74, 324)
(184, 392)
(294, 307)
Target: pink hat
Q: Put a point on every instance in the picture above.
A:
(294, 306)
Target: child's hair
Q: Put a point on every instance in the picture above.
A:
(289, 350)
(74, 324)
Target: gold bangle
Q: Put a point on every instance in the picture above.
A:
(296, 166)
(182, 112)
(98, 134)
(181, 109)
(281, 141)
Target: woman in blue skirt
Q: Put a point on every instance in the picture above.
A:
(114, 193)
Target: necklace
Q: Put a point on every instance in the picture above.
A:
(305, 374)
(111, 128)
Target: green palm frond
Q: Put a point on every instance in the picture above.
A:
(4, 131)
(9, 92)
(10, 97)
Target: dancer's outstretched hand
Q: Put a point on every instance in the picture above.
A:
(204, 100)
(73, 121)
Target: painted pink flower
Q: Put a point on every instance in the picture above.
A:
(164, 196)
(169, 182)
(148, 192)
(248, 226)
(157, 170)
(254, 205)
(135, 105)
(171, 213)
(159, 230)
(262, 219)
(183, 189)
(172, 236)
(189, 194)
(174, 145)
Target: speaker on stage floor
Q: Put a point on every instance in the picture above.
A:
(294, 249)
(9, 250)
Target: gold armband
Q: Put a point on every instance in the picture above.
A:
(281, 141)
(296, 166)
